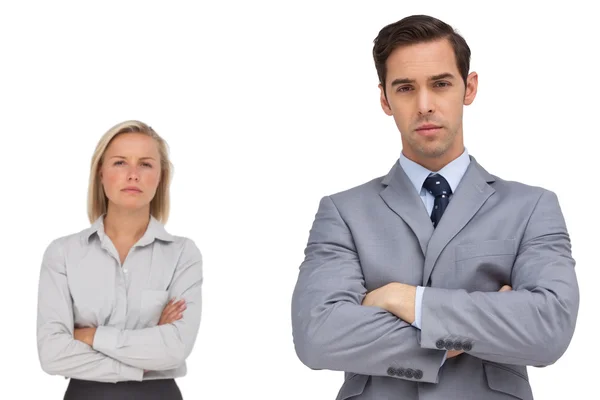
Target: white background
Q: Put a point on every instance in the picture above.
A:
(267, 107)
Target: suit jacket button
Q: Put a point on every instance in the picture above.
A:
(467, 346)
(439, 344)
(449, 345)
(400, 372)
(418, 374)
(409, 373)
(458, 345)
(391, 371)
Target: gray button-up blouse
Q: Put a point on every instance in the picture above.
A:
(83, 284)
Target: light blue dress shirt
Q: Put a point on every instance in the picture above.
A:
(453, 173)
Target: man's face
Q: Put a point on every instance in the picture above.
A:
(425, 94)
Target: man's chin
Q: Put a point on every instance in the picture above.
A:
(432, 151)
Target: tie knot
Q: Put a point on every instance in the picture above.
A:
(437, 185)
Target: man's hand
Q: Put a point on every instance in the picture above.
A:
(172, 312)
(397, 298)
(454, 353)
(85, 335)
(505, 288)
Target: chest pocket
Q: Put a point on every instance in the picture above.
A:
(152, 305)
(485, 249)
(484, 265)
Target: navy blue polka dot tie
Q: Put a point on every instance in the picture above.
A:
(438, 186)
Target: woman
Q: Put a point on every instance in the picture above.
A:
(119, 303)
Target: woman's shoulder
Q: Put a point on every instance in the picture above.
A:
(182, 248)
(183, 243)
(75, 238)
(61, 245)
(157, 231)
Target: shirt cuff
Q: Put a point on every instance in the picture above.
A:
(105, 339)
(418, 305)
(444, 359)
(131, 373)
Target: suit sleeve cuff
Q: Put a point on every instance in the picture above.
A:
(418, 306)
(444, 359)
(436, 334)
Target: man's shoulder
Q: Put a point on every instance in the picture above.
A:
(520, 189)
(361, 193)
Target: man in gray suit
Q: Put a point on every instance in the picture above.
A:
(438, 280)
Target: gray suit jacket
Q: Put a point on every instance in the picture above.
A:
(494, 232)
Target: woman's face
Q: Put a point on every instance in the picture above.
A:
(130, 171)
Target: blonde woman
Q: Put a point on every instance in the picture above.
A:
(119, 303)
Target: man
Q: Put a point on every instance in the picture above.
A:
(438, 280)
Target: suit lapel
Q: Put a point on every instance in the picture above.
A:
(471, 193)
(400, 195)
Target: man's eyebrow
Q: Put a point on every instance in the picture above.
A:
(445, 75)
(402, 81)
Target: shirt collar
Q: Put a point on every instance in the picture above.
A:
(155, 230)
(452, 172)
(97, 227)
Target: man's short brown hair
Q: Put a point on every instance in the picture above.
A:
(418, 29)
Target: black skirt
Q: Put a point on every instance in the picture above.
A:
(159, 389)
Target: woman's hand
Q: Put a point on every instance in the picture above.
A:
(85, 335)
(172, 312)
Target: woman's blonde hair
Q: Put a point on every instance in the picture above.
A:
(97, 201)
